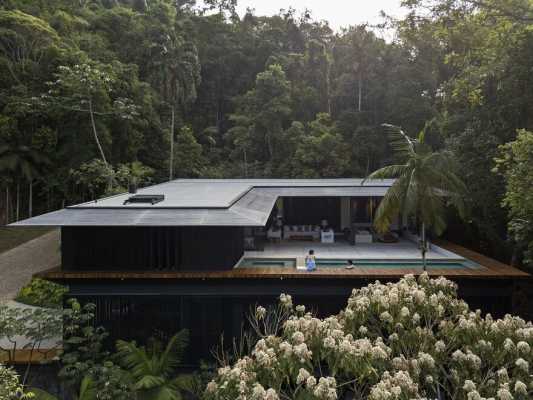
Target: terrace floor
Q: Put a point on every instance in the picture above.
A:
(490, 268)
(342, 250)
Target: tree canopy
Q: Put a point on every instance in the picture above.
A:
(191, 90)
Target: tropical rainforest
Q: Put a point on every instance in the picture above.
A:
(97, 95)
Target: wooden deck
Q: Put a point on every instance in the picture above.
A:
(491, 269)
(24, 356)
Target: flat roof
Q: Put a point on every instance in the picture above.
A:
(205, 202)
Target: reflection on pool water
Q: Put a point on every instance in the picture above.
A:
(392, 264)
(267, 263)
(366, 264)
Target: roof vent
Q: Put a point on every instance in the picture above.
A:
(145, 198)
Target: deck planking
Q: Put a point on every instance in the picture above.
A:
(491, 269)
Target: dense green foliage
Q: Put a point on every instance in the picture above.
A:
(87, 87)
(86, 365)
(42, 293)
(131, 372)
(515, 163)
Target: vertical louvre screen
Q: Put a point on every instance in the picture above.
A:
(151, 248)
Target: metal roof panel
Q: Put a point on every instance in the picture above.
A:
(205, 202)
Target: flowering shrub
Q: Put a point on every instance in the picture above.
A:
(412, 339)
(10, 387)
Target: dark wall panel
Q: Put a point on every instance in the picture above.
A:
(151, 248)
(312, 210)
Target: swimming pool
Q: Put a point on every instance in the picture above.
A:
(398, 264)
(366, 264)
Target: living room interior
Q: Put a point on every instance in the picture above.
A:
(324, 220)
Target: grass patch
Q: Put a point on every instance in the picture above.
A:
(11, 237)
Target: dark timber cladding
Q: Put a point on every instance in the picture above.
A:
(150, 248)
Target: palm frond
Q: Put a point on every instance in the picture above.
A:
(134, 358)
(88, 390)
(189, 383)
(173, 353)
(412, 193)
(159, 393)
(425, 185)
(389, 207)
(400, 142)
(390, 171)
(39, 394)
(149, 382)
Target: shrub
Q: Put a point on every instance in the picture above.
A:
(10, 387)
(42, 293)
(412, 339)
(86, 364)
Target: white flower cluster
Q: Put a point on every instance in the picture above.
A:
(407, 333)
(326, 389)
(260, 312)
(264, 355)
(285, 300)
(467, 359)
(391, 387)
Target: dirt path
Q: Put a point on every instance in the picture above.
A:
(19, 264)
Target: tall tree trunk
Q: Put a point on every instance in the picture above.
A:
(424, 246)
(93, 124)
(245, 163)
(328, 88)
(269, 147)
(17, 213)
(30, 200)
(171, 161)
(7, 204)
(359, 92)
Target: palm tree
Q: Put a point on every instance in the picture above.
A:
(426, 184)
(153, 370)
(176, 72)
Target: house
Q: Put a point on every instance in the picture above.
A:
(199, 253)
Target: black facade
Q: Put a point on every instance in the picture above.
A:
(151, 248)
(212, 309)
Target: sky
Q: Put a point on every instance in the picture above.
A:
(339, 13)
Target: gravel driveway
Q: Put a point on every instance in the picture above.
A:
(19, 264)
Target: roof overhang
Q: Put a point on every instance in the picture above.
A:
(206, 203)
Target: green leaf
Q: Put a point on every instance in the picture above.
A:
(40, 394)
(88, 389)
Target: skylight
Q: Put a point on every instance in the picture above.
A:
(145, 198)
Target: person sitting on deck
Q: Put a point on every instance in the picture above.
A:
(349, 265)
(310, 262)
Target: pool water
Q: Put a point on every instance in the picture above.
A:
(367, 264)
(398, 264)
(267, 263)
